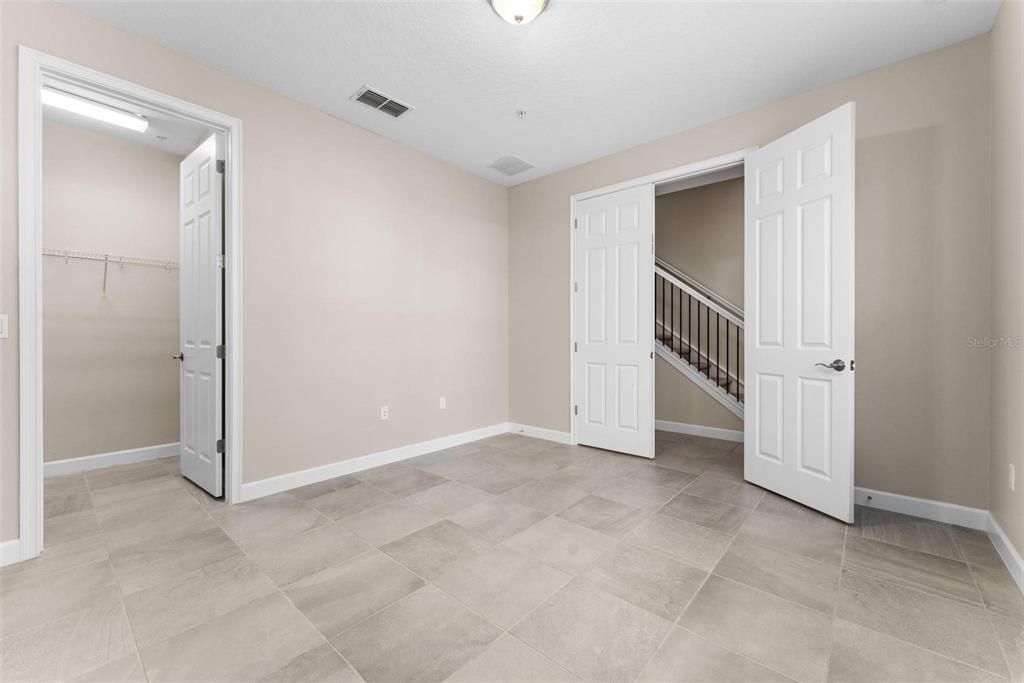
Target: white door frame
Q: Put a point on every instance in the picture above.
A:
(34, 69)
(698, 168)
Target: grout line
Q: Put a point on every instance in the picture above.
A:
(988, 616)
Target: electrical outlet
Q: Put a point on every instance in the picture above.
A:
(443, 403)
(1013, 477)
(383, 412)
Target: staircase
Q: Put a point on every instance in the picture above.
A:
(700, 334)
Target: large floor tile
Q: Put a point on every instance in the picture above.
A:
(322, 488)
(426, 636)
(976, 547)
(30, 604)
(911, 568)
(70, 646)
(55, 559)
(662, 476)
(687, 658)
(248, 643)
(860, 655)
(501, 584)
(319, 665)
(583, 478)
(906, 531)
(532, 465)
(286, 561)
(999, 591)
(268, 519)
(793, 577)
(127, 669)
(948, 627)
(509, 660)
(593, 634)
(350, 500)
(518, 443)
(64, 484)
(71, 527)
(1010, 634)
(795, 535)
(647, 579)
(157, 560)
(561, 544)
(167, 609)
(123, 474)
(604, 515)
(726, 490)
(344, 594)
(401, 481)
(689, 543)
(389, 522)
(57, 505)
(119, 494)
(493, 479)
(773, 504)
(497, 519)
(636, 492)
(785, 637)
(161, 516)
(448, 498)
(545, 497)
(713, 514)
(428, 552)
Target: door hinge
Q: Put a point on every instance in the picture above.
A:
(220, 165)
(576, 347)
(575, 286)
(575, 224)
(220, 445)
(652, 355)
(220, 260)
(575, 410)
(220, 350)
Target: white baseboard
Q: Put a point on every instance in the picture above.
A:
(700, 430)
(95, 462)
(292, 480)
(540, 433)
(1011, 558)
(937, 511)
(10, 552)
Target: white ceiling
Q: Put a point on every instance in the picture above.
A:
(593, 77)
(166, 133)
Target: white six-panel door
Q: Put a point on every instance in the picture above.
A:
(202, 377)
(799, 294)
(614, 320)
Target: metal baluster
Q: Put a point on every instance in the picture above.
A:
(727, 326)
(718, 350)
(689, 329)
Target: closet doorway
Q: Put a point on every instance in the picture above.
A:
(130, 308)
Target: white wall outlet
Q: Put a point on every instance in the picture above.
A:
(443, 403)
(384, 412)
(1013, 478)
(3, 326)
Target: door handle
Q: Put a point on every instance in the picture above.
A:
(178, 356)
(838, 365)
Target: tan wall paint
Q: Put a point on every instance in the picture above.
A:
(353, 298)
(922, 265)
(700, 232)
(1007, 257)
(109, 382)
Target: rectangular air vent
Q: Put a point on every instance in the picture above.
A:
(511, 165)
(380, 102)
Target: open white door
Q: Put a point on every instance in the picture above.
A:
(202, 329)
(614, 313)
(799, 297)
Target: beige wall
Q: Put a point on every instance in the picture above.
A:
(373, 274)
(109, 383)
(1007, 259)
(922, 265)
(700, 232)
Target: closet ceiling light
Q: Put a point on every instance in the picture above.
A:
(518, 12)
(93, 110)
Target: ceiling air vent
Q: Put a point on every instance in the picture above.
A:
(380, 102)
(511, 165)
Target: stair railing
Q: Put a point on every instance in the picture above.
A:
(701, 328)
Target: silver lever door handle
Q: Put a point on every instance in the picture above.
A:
(838, 365)
(178, 356)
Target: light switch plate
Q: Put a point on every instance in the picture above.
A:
(3, 326)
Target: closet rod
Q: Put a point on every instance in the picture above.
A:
(107, 258)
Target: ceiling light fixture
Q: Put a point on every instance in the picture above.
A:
(518, 12)
(93, 110)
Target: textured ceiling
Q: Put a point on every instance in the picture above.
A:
(593, 77)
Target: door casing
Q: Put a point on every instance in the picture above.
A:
(36, 69)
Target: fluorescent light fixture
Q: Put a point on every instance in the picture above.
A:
(518, 12)
(94, 110)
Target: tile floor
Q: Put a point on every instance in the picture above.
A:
(509, 559)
